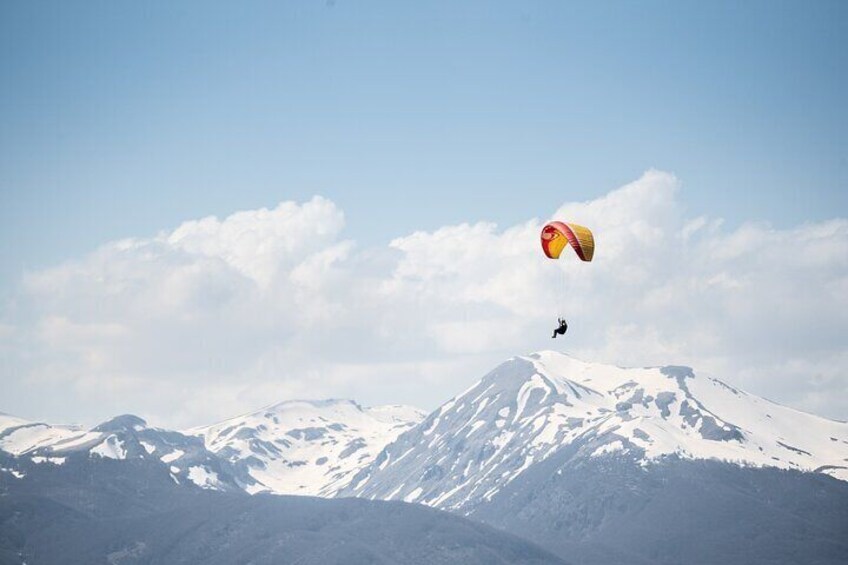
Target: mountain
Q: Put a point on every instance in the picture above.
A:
(606, 464)
(595, 463)
(531, 407)
(93, 509)
(124, 438)
(306, 447)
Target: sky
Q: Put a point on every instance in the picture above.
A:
(208, 206)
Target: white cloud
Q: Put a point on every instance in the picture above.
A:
(220, 316)
(261, 243)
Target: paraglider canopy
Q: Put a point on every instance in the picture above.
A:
(557, 235)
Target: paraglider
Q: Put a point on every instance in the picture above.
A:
(556, 236)
(563, 327)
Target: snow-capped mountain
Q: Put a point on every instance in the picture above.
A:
(595, 463)
(306, 447)
(533, 407)
(123, 438)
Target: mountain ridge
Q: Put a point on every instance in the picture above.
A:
(595, 463)
(329, 447)
(310, 447)
(531, 406)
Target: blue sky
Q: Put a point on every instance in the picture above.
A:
(703, 142)
(120, 118)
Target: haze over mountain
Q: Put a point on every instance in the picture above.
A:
(92, 509)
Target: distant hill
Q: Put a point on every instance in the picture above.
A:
(96, 510)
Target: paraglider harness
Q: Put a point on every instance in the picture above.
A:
(563, 327)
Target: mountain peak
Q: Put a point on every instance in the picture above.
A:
(308, 447)
(569, 370)
(122, 423)
(532, 407)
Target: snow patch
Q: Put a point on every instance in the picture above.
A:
(54, 460)
(204, 478)
(110, 448)
(608, 448)
(413, 496)
(13, 472)
(173, 456)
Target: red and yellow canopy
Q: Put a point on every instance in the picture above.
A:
(556, 235)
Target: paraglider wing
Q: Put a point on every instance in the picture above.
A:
(557, 235)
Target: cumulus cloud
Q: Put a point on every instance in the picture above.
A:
(222, 315)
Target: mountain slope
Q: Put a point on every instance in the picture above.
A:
(610, 509)
(529, 408)
(306, 447)
(101, 510)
